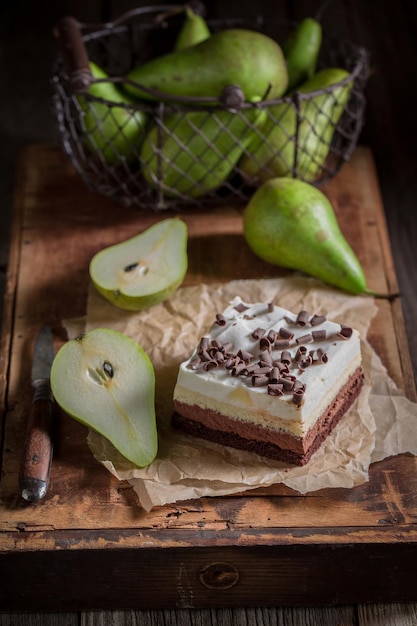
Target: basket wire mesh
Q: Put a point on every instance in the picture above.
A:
(200, 154)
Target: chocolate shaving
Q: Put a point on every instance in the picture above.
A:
(238, 369)
(204, 343)
(244, 355)
(345, 332)
(274, 375)
(204, 355)
(322, 356)
(272, 335)
(297, 396)
(304, 339)
(302, 318)
(285, 333)
(258, 333)
(317, 319)
(227, 347)
(240, 308)
(285, 357)
(220, 319)
(260, 371)
(301, 351)
(266, 357)
(195, 363)
(265, 342)
(209, 365)
(270, 307)
(319, 335)
(280, 344)
(305, 362)
(275, 390)
(259, 381)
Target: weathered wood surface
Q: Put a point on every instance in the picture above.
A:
(388, 30)
(89, 516)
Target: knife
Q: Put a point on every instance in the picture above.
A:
(36, 462)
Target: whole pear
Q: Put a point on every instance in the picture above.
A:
(272, 152)
(110, 129)
(292, 224)
(249, 59)
(194, 153)
(193, 30)
(301, 50)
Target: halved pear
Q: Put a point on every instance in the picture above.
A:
(144, 270)
(105, 380)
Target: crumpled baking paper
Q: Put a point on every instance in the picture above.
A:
(380, 424)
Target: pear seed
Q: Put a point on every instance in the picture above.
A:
(108, 369)
(131, 267)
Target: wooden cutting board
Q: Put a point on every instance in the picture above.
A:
(88, 542)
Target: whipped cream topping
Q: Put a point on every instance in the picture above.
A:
(331, 354)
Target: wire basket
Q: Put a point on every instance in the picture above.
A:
(198, 153)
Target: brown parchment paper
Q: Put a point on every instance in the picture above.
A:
(381, 423)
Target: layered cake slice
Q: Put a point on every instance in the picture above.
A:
(269, 381)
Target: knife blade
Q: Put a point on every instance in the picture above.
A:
(37, 456)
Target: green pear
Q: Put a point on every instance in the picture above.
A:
(143, 270)
(193, 30)
(273, 151)
(301, 50)
(292, 224)
(105, 380)
(194, 153)
(111, 129)
(249, 59)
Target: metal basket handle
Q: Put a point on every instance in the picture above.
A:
(74, 54)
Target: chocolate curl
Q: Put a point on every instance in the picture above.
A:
(272, 335)
(240, 308)
(304, 339)
(274, 375)
(345, 332)
(262, 370)
(245, 356)
(305, 362)
(297, 396)
(283, 367)
(301, 351)
(227, 347)
(289, 320)
(285, 357)
(322, 356)
(287, 383)
(250, 369)
(231, 362)
(285, 333)
(258, 333)
(216, 344)
(209, 365)
(195, 363)
(266, 357)
(275, 390)
(270, 307)
(259, 381)
(302, 318)
(205, 355)
(238, 369)
(319, 335)
(204, 343)
(219, 357)
(265, 343)
(220, 319)
(280, 344)
(298, 385)
(316, 320)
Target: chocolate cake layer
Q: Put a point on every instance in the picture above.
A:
(278, 445)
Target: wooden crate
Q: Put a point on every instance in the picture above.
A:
(88, 544)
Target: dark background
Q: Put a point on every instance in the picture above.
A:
(387, 28)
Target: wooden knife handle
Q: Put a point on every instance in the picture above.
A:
(37, 457)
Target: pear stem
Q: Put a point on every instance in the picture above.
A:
(382, 296)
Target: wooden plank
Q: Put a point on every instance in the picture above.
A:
(88, 517)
